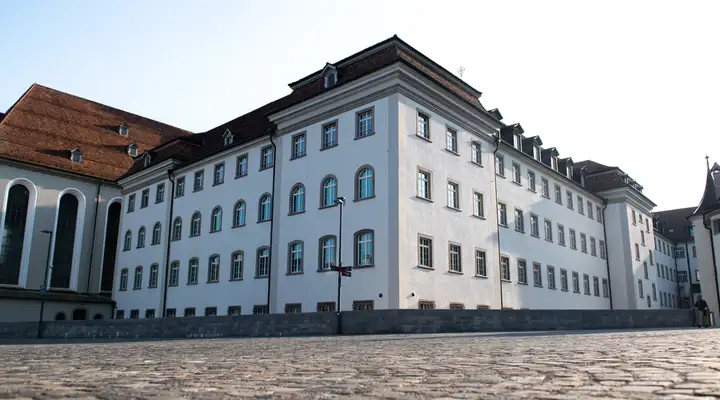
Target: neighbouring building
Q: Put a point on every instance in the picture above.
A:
(443, 206)
(60, 205)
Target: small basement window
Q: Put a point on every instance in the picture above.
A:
(123, 130)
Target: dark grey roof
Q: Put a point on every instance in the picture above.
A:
(674, 225)
(710, 198)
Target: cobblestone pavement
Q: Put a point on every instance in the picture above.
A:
(638, 364)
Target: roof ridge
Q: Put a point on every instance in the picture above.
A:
(14, 106)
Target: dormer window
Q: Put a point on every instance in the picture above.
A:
(76, 155)
(517, 141)
(132, 149)
(536, 152)
(330, 79)
(228, 137)
(554, 163)
(147, 159)
(123, 130)
(569, 170)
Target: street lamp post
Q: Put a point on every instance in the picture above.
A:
(341, 202)
(43, 287)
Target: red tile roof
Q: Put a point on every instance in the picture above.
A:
(45, 124)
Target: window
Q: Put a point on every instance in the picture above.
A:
(234, 310)
(170, 313)
(500, 165)
(502, 214)
(144, 198)
(561, 235)
(563, 280)
(216, 220)
(238, 264)
(425, 253)
(141, 237)
(576, 282)
(634, 220)
(263, 262)
(295, 258)
(682, 276)
(590, 209)
(298, 146)
(642, 238)
(180, 187)
(364, 248)
(153, 281)
(522, 271)
(457, 306)
(531, 180)
(157, 232)
(516, 173)
(363, 305)
(478, 205)
(583, 243)
(189, 312)
(193, 267)
(159, 193)
(551, 277)
(606, 288)
(534, 228)
(260, 310)
(365, 125)
(573, 243)
(662, 271)
(241, 166)
(476, 153)
(294, 308)
(266, 158)
(131, 203)
(330, 135)
(76, 156)
(195, 224)
(297, 199)
(637, 251)
(598, 214)
(137, 281)
(596, 286)
(480, 263)
(127, 245)
(679, 252)
(177, 229)
(545, 187)
(423, 126)
(213, 269)
(558, 194)
(603, 252)
(365, 183)
(453, 199)
(694, 251)
(327, 252)
(716, 226)
(519, 220)
(265, 209)
(548, 230)
(640, 288)
(330, 79)
(219, 175)
(123, 130)
(451, 140)
(149, 314)
(329, 191)
(328, 306)
(199, 181)
(210, 311)
(228, 137)
(581, 208)
(570, 202)
(454, 258)
(517, 141)
(537, 274)
(123, 279)
(593, 248)
(239, 213)
(645, 269)
(424, 183)
(134, 314)
(505, 268)
(426, 305)
(174, 273)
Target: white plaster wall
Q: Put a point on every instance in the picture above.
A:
(708, 283)
(14, 310)
(622, 259)
(667, 284)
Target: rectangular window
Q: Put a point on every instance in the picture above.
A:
(426, 305)
(606, 288)
(548, 230)
(522, 271)
(298, 146)
(476, 153)
(519, 220)
(570, 202)
(573, 242)
(171, 312)
(219, 175)
(642, 238)
(423, 126)
(328, 306)
(654, 292)
(457, 306)
(534, 228)
(260, 310)
(563, 280)
(531, 180)
(680, 252)
(537, 274)
(637, 251)
(241, 166)
(454, 258)
(561, 235)
(545, 188)
(583, 243)
(634, 220)
(363, 305)
(189, 312)
(716, 226)
(694, 251)
(150, 313)
(558, 194)
(516, 173)
(451, 140)
(234, 310)
(131, 203)
(199, 181)
(145, 198)
(593, 247)
(517, 141)
(425, 253)
(210, 311)
(478, 205)
(645, 269)
(293, 308)
(480, 263)
(364, 124)
(500, 164)
(640, 288)
(159, 193)
(424, 184)
(330, 136)
(551, 277)
(502, 214)
(453, 197)
(603, 252)
(590, 209)
(180, 187)
(596, 286)
(505, 268)
(266, 157)
(598, 214)
(576, 282)
(134, 314)
(581, 208)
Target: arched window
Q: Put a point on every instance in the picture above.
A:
(365, 183)
(193, 271)
(265, 210)
(214, 268)
(329, 192)
(128, 240)
(327, 252)
(195, 224)
(98, 316)
(263, 262)
(239, 213)
(14, 235)
(297, 199)
(64, 241)
(79, 314)
(123, 279)
(174, 273)
(112, 233)
(137, 281)
(141, 237)
(364, 248)
(216, 219)
(154, 272)
(177, 229)
(156, 233)
(60, 316)
(238, 262)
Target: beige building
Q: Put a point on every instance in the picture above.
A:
(60, 207)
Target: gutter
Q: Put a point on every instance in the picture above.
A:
(497, 218)
(169, 240)
(712, 248)
(607, 253)
(92, 248)
(272, 220)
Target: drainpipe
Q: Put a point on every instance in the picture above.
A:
(272, 219)
(687, 257)
(607, 253)
(92, 247)
(712, 248)
(497, 218)
(169, 240)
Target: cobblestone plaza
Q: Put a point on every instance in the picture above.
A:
(632, 364)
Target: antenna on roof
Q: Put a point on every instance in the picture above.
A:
(460, 71)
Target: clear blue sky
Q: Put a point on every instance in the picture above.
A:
(633, 84)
